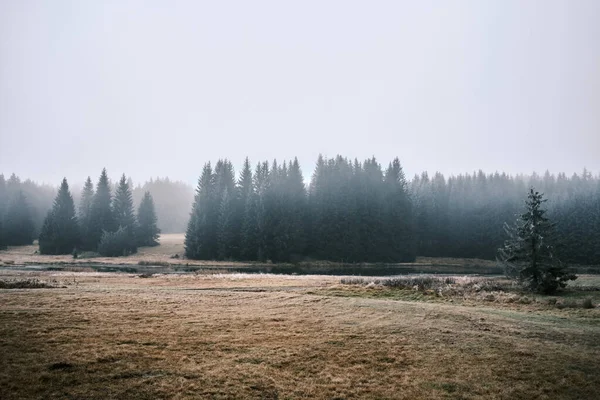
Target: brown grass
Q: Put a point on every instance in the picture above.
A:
(170, 245)
(264, 336)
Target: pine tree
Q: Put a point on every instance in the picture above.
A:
(123, 213)
(200, 243)
(398, 216)
(297, 212)
(224, 204)
(147, 229)
(528, 254)
(225, 228)
(60, 231)
(249, 233)
(18, 224)
(101, 217)
(244, 191)
(85, 209)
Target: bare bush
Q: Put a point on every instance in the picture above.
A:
(25, 284)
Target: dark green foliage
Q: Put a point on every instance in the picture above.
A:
(123, 213)
(115, 244)
(399, 229)
(225, 226)
(101, 216)
(147, 229)
(351, 212)
(60, 231)
(18, 223)
(85, 209)
(346, 214)
(224, 202)
(528, 254)
(249, 233)
(200, 237)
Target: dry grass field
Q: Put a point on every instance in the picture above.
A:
(171, 244)
(116, 335)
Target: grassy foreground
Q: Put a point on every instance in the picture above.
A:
(102, 335)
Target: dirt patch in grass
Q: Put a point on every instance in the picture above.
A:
(119, 336)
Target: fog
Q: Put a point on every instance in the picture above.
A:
(154, 88)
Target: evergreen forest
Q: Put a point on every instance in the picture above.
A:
(354, 211)
(348, 211)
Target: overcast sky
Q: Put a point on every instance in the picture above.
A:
(157, 88)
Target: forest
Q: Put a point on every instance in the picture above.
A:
(348, 211)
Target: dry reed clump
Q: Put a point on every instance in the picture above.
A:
(482, 289)
(420, 282)
(30, 283)
(154, 263)
(432, 282)
(78, 269)
(585, 303)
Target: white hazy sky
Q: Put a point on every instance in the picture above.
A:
(159, 87)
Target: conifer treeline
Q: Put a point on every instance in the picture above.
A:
(464, 216)
(355, 212)
(351, 212)
(104, 223)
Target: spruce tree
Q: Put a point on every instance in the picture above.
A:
(224, 205)
(297, 211)
(123, 213)
(200, 243)
(249, 232)
(18, 224)
(244, 191)
(225, 227)
(60, 231)
(528, 254)
(101, 217)
(398, 216)
(147, 229)
(85, 209)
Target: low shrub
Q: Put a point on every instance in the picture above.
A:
(154, 263)
(116, 244)
(587, 303)
(25, 284)
(420, 282)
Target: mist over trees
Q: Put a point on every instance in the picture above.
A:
(147, 230)
(38, 200)
(60, 232)
(172, 200)
(464, 216)
(349, 211)
(361, 212)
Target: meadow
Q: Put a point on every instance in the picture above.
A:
(236, 335)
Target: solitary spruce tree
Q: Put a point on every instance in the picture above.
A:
(528, 254)
(60, 231)
(147, 230)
